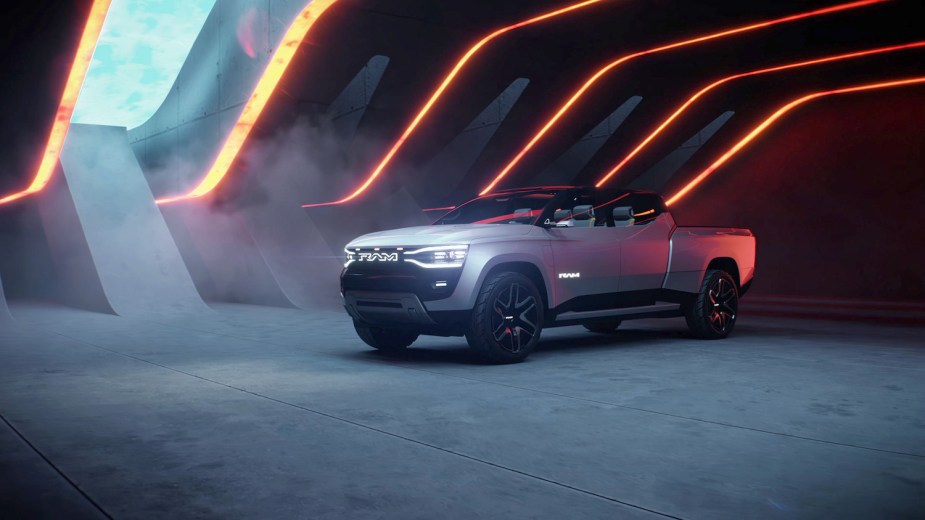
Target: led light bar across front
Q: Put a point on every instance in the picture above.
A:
(438, 256)
(433, 257)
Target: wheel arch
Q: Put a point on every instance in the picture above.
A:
(729, 265)
(528, 269)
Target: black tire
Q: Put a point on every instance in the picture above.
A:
(712, 315)
(386, 340)
(507, 320)
(603, 327)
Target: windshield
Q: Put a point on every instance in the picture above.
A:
(502, 208)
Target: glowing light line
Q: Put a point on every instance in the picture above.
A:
(658, 130)
(62, 122)
(447, 81)
(258, 99)
(777, 115)
(613, 65)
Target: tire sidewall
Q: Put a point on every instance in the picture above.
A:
(699, 312)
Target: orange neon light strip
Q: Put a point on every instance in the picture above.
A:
(447, 81)
(611, 66)
(62, 122)
(777, 115)
(727, 79)
(258, 100)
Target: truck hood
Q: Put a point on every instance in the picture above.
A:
(461, 234)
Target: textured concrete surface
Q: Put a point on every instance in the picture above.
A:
(182, 138)
(136, 258)
(270, 413)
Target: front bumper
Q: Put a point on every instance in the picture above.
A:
(384, 308)
(403, 310)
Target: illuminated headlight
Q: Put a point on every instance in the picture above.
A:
(350, 257)
(438, 256)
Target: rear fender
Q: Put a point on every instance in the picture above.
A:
(693, 249)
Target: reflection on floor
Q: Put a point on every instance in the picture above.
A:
(259, 412)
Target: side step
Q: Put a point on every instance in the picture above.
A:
(659, 307)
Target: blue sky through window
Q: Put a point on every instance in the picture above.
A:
(139, 54)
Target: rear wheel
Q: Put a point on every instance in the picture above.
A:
(712, 315)
(386, 340)
(507, 319)
(603, 327)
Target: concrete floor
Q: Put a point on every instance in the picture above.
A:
(254, 412)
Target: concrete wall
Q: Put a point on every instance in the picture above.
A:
(178, 144)
(835, 195)
(181, 139)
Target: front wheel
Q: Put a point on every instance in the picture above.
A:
(712, 315)
(386, 340)
(507, 319)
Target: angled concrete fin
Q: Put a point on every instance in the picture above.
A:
(347, 110)
(133, 253)
(4, 310)
(452, 163)
(570, 164)
(303, 264)
(659, 174)
(76, 278)
(222, 256)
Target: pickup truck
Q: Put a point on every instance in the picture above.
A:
(500, 268)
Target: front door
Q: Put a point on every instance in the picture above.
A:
(587, 262)
(586, 254)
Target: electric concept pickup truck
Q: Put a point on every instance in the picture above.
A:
(502, 267)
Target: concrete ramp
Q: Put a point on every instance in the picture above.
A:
(138, 263)
(4, 310)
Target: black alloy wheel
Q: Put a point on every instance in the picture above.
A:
(507, 319)
(724, 302)
(713, 313)
(514, 321)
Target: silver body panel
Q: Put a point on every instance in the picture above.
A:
(579, 262)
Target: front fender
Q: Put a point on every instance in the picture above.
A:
(482, 258)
